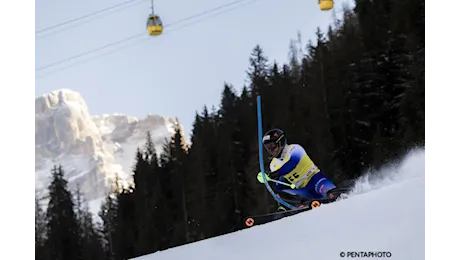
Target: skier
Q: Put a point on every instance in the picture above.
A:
(291, 165)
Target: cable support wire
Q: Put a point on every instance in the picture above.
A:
(101, 11)
(132, 37)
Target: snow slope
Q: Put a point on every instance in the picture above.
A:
(385, 213)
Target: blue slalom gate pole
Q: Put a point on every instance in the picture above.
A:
(261, 157)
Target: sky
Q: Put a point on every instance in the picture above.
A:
(175, 74)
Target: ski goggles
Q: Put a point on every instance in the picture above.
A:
(270, 145)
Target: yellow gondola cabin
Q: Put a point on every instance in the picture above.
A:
(326, 5)
(154, 25)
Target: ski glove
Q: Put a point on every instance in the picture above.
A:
(260, 177)
(269, 176)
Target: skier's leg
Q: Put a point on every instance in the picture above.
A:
(278, 188)
(297, 197)
(288, 195)
(319, 185)
(316, 188)
(303, 192)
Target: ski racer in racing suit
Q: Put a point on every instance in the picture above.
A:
(291, 164)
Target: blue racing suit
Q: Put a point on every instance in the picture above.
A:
(295, 166)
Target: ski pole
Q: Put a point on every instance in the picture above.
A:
(292, 186)
(261, 180)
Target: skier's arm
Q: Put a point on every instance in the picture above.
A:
(293, 156)
(274, 174)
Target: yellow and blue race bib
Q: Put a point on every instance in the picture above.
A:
(296, 166)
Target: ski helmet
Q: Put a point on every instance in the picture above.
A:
(274, 141)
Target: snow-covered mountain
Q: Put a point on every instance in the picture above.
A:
(91, 149)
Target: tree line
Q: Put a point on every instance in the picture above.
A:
(354, 98)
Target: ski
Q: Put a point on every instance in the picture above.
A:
(306, 205)
(255, 220)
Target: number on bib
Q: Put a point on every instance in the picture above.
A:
(293, 178)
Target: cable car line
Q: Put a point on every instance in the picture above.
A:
(89, 15)
(143, 40)
(90, 51)
(207, 11)
(95, 57)
(86, 21)
(135, 36)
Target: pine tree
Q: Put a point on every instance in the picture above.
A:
(40, 230)
(90, 239)
(147, 197)
(165, 207)
(126, 232)
(108, 215)
(227, 200)
(258, 71)
(196, 188)
(176, 159)
(63, 241)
